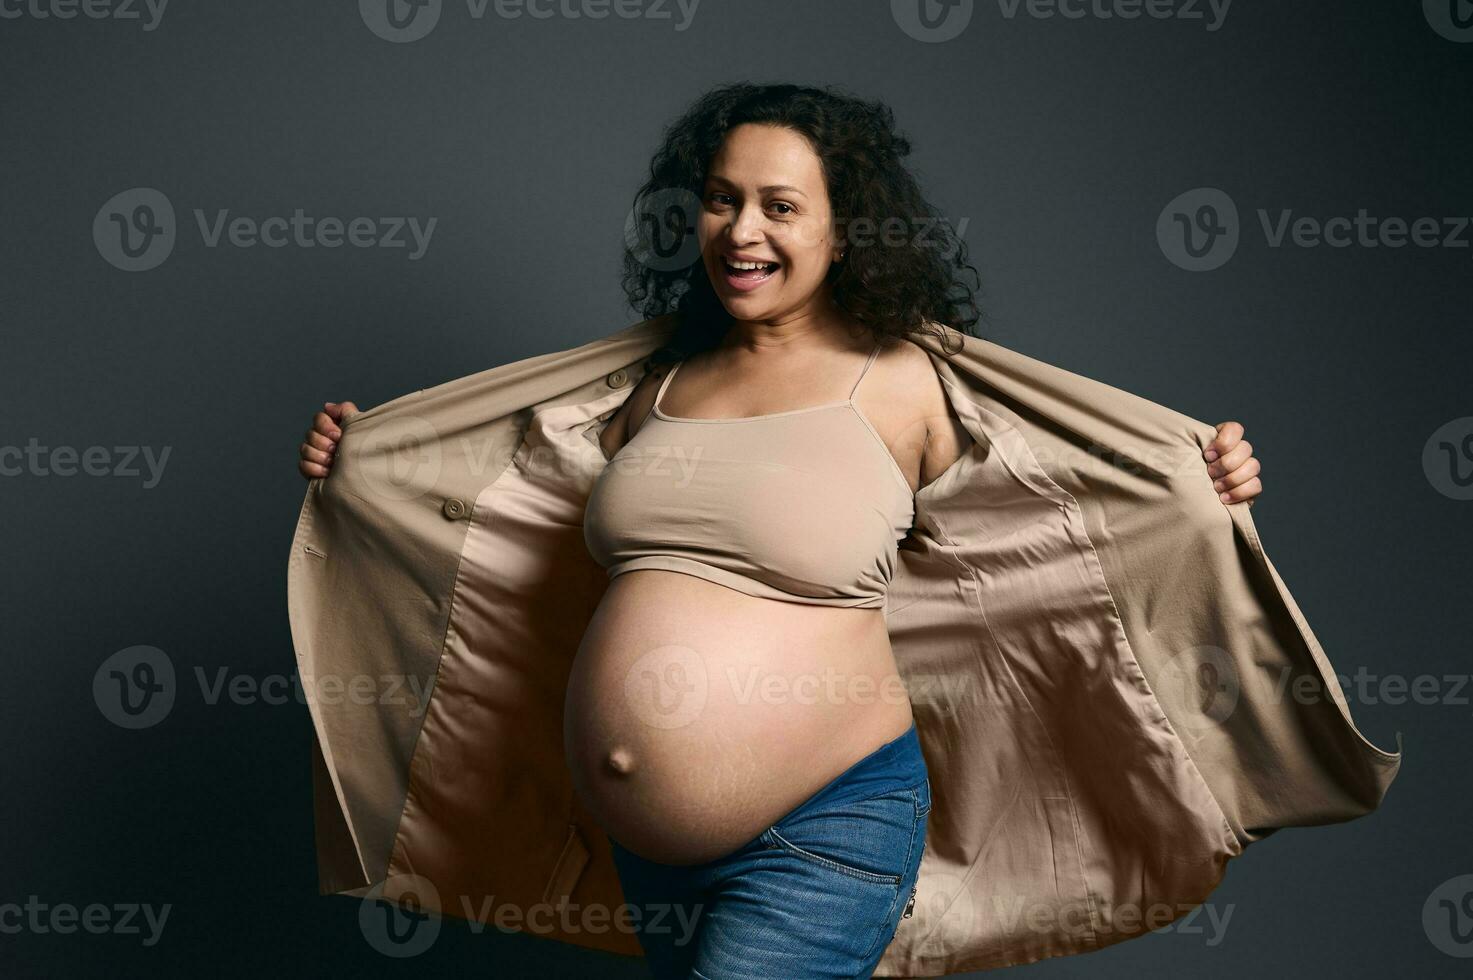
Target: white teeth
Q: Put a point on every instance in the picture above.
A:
(749, 266)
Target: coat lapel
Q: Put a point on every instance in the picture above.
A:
(1096, 649)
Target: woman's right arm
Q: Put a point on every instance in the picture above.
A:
(322, 438)
(321, 441)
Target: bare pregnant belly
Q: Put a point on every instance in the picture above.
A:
(697, 715)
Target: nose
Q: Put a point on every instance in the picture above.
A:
(746, 227)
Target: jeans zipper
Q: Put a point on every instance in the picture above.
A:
(910, 906)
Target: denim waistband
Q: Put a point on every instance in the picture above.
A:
(898, 764)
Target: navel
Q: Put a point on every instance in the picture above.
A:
(621, 761)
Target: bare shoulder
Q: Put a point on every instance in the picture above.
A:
(625, 422)
(910, 408)
(946, 438)
(912, 378)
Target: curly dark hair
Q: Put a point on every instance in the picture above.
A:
(894, 288)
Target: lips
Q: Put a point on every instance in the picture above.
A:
(751, 271)
(744, 272)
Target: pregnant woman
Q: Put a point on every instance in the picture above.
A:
(788, 810)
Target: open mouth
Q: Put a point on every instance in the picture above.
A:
(749, 271)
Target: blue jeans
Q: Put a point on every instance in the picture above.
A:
(820, 893)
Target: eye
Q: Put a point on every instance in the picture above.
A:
(789, 209)
(718, 198)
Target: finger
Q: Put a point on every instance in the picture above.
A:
(1228, 434)
(317, 440)
(339, 409)
(1245, 492)
(312, 471)
(1239, 476)
(311, 455)
(322, 422)
(1231, 460)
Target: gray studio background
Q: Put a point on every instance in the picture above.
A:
(1060, 141)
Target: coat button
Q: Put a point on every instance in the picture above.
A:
(618, 379)
(454, 508)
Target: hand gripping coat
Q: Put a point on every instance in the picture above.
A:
(1114, 690)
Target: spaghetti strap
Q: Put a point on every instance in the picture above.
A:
(664, 382)
(872, 355)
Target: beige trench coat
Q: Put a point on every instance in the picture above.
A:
(1114, 690)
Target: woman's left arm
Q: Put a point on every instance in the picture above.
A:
(1232, 466)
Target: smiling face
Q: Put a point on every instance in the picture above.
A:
(766, 203)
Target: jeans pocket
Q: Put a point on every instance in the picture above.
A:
(869, 839)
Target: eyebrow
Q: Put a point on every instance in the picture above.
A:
(766, 189)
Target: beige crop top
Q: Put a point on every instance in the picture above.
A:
(805, 506)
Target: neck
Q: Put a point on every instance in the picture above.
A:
(821, 325)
